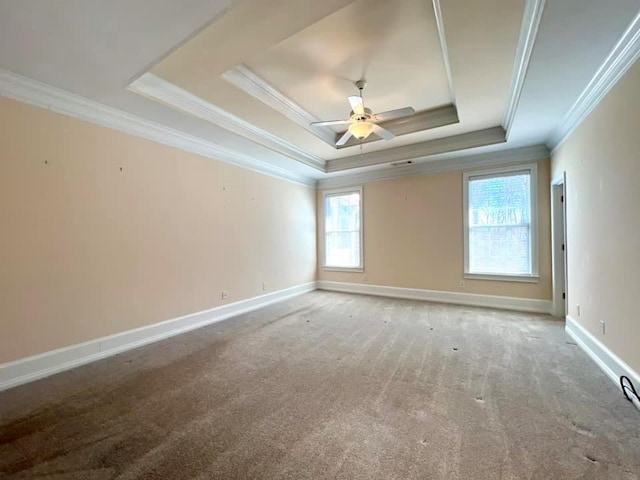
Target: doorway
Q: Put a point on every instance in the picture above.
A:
(559, 246)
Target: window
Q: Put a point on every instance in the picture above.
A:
(343, 229)
(500, 237)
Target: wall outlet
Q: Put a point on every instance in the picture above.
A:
(578, 310)
(264, 286)
(461, 284)
(364, 277)
(602, 324)
(224, 295)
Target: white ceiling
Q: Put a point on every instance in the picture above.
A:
(393, 44)
(573, 41)
(310, 51)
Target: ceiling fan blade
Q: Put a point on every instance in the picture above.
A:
(343, 139)
(382, 132)
(392, 114)
(356, 104)
(330, 123)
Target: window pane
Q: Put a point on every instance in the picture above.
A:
(502, 250)
(503, 200)
(500, 224)
(342, 230)
(342, 213)
(342, 249)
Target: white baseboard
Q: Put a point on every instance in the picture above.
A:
(492, 301)
(612, 365)
(32, 368)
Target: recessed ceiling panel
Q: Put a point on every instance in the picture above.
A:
(393, 45)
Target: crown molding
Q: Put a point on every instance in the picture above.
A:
(420, 151)
(528, 33)
(511, 156)
(443, 46)
(251, 83)
(619, 60)
(156, 88)
(41, 95)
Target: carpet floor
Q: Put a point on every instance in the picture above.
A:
(332, 386)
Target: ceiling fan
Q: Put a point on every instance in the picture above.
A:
(362, 122)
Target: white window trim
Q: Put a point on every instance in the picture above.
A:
(534, 277)
(342, 191)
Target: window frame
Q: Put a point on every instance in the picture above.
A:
(532, 169)
(333, 193)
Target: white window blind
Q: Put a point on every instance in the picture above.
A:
(342, 229)
(500, 236)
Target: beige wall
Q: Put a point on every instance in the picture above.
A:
(413, 237)
(602, 163)
(87, 250)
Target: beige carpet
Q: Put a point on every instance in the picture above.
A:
(328, 386)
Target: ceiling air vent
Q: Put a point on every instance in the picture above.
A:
(402, 163)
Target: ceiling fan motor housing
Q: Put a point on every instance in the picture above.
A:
(362, 117)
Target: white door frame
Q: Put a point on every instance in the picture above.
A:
(559, 246)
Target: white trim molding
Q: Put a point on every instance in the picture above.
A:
(437, 10)
(492, 301)
(619, 60)
(503, 278)
(41, 95)
(251, 83)
(156, 88)
(528, 32)
(612, 365)
(501, 157)
(43, 365)
(558, 246)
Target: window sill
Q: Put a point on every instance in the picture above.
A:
(503, 278)
(343, 269)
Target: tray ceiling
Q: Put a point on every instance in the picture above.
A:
(455, 72)
(240, 80)
(395, 45)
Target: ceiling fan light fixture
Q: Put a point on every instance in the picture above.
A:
(361, 130)
(362, 122)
